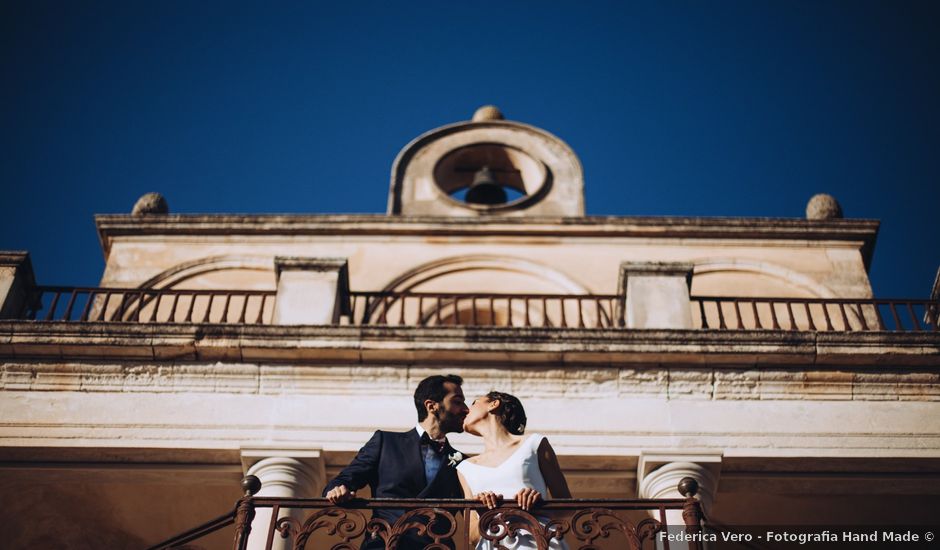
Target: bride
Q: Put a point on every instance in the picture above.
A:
(524, 467)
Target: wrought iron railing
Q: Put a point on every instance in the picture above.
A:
(486, 309)
(150, 305)
(441, 523)
(817, 314)
(427, 309)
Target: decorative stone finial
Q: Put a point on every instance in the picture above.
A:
(251, 485)
(150, 203)
(823, 207)
(487, 112)
(688, 487)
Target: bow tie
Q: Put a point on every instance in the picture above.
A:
(438, 446)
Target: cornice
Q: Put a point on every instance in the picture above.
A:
(494, 346)
(856, 230)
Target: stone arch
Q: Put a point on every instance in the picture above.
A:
(422, 275)
(485, 275)
(252, 276)
(768, 280)
(798, 283)
(192, 271)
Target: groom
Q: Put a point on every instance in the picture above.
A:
(419, 463)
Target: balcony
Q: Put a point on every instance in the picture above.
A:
(635, 524)
(426, 309)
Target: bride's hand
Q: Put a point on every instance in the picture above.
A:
(489, 499)
(527, 497)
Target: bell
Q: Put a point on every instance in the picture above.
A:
(485, 189)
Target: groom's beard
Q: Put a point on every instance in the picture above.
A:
(449, 423)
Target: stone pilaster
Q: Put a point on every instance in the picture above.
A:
(656, 294)
(311, 291)
(284, 473)
(16, 281)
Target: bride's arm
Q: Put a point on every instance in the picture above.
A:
(551, 471)
(474, 517)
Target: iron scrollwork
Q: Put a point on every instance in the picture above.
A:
(501, 524)
(591, 524)
(436, 524)
(347, 524)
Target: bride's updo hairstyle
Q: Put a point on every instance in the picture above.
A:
(510, 412)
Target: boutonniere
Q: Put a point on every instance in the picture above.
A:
(454, 458)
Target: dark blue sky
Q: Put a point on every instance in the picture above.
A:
(680, 108)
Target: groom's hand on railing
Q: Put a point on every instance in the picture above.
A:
(490, 499)
(340, 494)
(527, 498)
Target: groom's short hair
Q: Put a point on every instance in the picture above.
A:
(433, 388)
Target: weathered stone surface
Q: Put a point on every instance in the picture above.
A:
(150, 203)
(690, 384)
(469, 345)
(919, 386)
(737, 384)
(647, 382)
(823, 207)
(880, 386)
(487, 112)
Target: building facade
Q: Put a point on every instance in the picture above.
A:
(748, 354)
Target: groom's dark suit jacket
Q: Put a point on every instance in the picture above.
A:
(391, 464)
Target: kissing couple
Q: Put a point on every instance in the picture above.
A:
(421, 463)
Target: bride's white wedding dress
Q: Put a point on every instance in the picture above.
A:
(517, 472)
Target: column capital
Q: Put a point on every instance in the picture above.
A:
(666, 269)
(659, 474)
(301, 263)
(285, 472)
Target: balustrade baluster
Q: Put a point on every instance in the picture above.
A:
(228, 300)
(881, 319)
(825, 308)
(910, 309)
(68, 306)
(773, 314)
(845, 318)
(55, 302)
(259, 319)
(509, 312)
(737, 312)
(241, 317)
(757, 324)
(87, 308)
(157, 296)
(790, 315)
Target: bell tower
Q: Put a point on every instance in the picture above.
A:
(487, 166)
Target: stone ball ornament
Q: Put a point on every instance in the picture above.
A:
(487, 112)
(150, 203)
(823, 206)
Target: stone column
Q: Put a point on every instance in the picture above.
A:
(658, 477)
(311, 291)
(283, 473)
(656, 294)
(16, 282)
